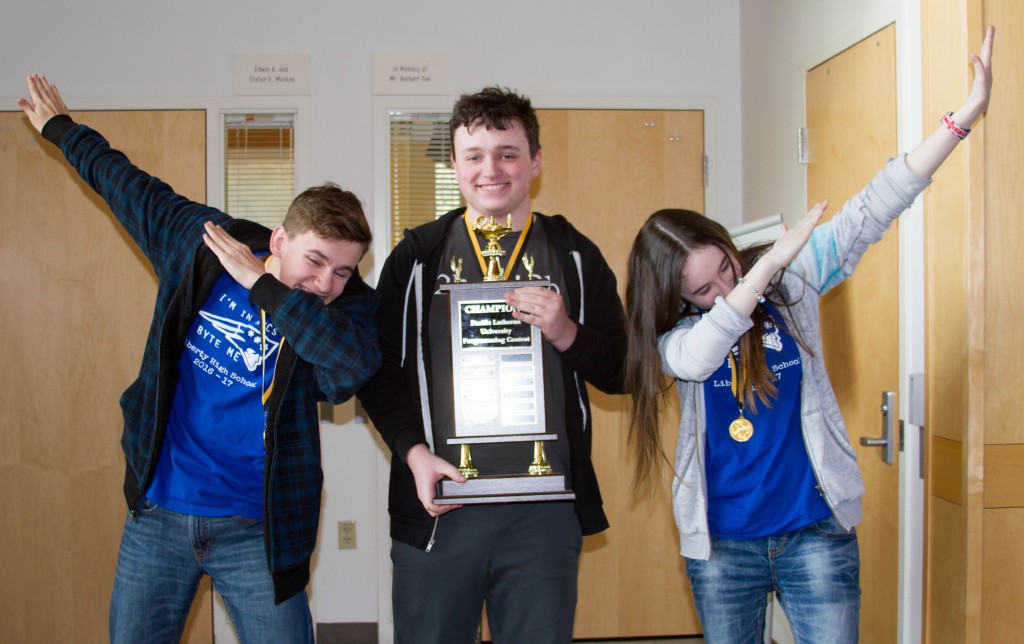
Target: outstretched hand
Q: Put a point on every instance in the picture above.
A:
(236, 258)
(44, 102)
(788, 246)
(927, 156)
(981, 89)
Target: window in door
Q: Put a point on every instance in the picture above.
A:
(259, 165)
(422, 179)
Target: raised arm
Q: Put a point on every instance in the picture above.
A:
(926, 158)
(165, 225)
(922, 161)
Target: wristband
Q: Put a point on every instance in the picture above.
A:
(757, 294)
(955, 127)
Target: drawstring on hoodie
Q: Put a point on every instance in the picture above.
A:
(430, 544)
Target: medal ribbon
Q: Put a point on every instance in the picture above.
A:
(263, 362)
(263, 347)
(515, 252)
(737, 389)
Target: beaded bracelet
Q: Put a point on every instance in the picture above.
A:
(757, 294)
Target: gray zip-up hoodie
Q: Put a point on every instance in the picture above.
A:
(697, 346)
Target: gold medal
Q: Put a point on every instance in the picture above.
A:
(741, 430)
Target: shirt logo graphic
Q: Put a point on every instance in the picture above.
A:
(772, 339)
(245, 338)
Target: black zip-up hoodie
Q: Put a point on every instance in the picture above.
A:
(397, 405)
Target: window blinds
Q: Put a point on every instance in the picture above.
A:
(423, 185)
(259, 166)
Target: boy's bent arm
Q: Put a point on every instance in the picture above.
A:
(339, 340)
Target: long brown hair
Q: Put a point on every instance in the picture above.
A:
(654, 304)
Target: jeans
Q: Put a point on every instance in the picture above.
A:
(164, 554)
(814, 571)
(521, 558)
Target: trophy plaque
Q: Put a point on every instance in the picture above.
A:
(498, 384)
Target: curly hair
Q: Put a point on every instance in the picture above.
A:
(496, 108)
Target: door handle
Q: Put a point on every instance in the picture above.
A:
(888, 417)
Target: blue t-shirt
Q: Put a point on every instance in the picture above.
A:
(213, 454)
(765, 486)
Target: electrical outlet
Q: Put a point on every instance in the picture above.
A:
(346, 535)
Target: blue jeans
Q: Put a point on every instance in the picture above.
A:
(814, 571)
(164, 554)
(521, 558)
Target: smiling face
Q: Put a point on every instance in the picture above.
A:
(313, 264)
(494, 170)
(707, 273)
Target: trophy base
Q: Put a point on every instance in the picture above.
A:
(503, 489)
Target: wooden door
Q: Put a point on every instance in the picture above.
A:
(973, 238)
(607, 171)
(851, 121)
(77, 299)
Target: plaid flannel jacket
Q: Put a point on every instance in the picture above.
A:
(328, 353)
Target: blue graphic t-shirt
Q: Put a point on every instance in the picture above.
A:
(213, 454)
(765, 486)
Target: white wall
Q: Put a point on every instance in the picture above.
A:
(780, 41)
(544, 48)
(655, 48)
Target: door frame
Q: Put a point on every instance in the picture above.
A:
(381, 154)
(909, 129)
(381, 223)
(215, 107)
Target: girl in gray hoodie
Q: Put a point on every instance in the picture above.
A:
(739, 333)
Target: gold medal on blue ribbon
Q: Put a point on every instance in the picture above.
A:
(740, 429)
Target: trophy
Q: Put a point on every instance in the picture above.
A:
(498, 383)
(492, 232)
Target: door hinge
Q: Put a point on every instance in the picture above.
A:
(920, 453)
(915, 415)
(801, 145)
(705, 170)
